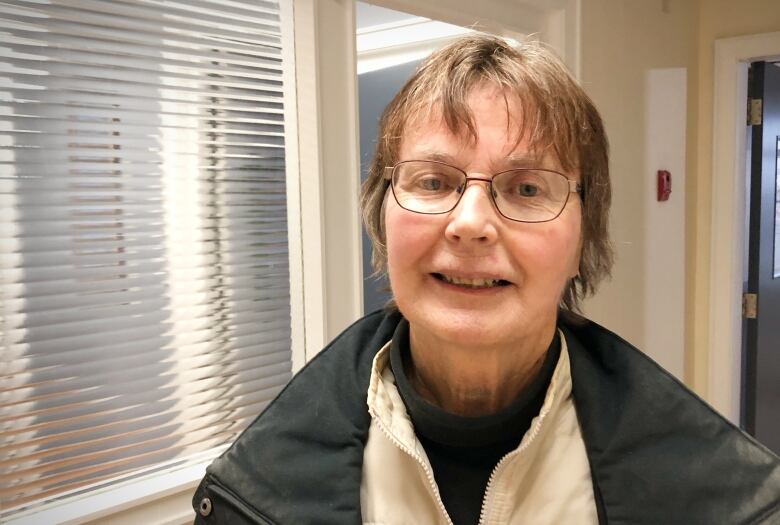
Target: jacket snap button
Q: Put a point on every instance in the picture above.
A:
(205, 507)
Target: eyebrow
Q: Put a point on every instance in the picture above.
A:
(518, 160)
(437, 156)
(523, 160)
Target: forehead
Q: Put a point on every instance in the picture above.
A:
(483, 103)
(498, 133)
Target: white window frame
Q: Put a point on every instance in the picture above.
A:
(164, 497)
(322, 158)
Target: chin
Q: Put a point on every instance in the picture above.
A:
(461, 327)
(504, 325)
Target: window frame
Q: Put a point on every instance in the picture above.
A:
(158, 496)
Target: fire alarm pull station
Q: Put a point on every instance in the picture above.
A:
(664, 185)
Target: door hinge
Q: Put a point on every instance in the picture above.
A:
(755, 112)
(749, 305)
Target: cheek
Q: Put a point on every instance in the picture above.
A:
(393, 239)
(408, 236)
(553, 252)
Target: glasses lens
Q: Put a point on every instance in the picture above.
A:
(530, 195)
(427, 186)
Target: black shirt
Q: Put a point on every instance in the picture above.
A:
(463, 451)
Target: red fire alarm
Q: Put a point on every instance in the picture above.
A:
(664, 185)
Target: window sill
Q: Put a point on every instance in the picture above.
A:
(161, 498)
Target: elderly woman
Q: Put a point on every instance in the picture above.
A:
(479, 395)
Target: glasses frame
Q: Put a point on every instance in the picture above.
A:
(389, 175)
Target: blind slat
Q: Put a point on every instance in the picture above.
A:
(71, 379)
(31, 368)
(32, 46)
(148, 21)
(201, 415)
(138, 415)
(192, 318)
(143, 387)
(195, 331)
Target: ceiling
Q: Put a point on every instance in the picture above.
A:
(368, 15)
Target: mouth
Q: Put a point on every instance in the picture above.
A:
(472, 284)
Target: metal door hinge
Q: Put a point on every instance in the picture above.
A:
(755, 112)
(749, 305)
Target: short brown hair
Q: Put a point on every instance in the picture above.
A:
(558, 117)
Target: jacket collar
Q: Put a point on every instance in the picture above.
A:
(658, 453)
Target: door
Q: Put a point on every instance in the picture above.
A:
(761, 399)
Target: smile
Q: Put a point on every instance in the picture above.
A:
(471, 283)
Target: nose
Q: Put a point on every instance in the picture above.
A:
(475, 217)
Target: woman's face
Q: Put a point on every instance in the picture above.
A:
(474, 241)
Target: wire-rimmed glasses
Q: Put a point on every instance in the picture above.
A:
(520, 194)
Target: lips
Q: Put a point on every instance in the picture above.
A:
(471, 282)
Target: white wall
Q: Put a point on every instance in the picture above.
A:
(664, 243)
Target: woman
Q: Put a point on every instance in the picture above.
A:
(480, 396)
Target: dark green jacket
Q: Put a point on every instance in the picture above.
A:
(658, 454)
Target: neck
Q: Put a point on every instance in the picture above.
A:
(474, 381)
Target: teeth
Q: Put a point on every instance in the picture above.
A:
(472, 283)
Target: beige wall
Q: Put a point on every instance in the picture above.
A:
(716, 19)
(621, 42)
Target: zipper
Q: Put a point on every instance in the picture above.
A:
(421, 462)
(505, 459)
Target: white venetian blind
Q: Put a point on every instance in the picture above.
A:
(144, 280)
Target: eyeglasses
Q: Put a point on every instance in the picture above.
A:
(523, 195)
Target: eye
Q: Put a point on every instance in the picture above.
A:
(427, 180)
(527, 190)
(433, 182)
(430, 183)
(523, 186)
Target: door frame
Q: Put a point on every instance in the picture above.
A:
(727, 215)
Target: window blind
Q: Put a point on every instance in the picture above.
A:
(144, 285)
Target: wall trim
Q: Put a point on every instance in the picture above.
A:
(727, 239)
(387, 45)
(328, 160)
(298, 319)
